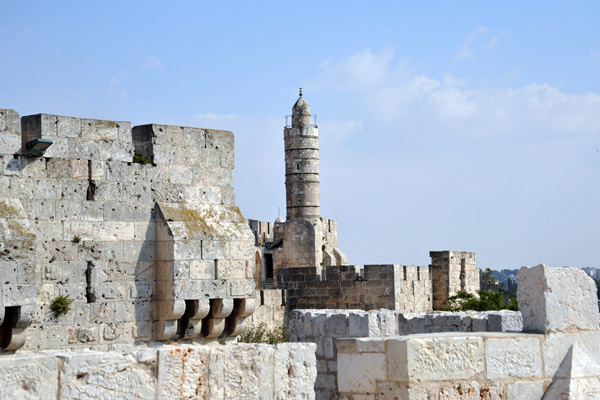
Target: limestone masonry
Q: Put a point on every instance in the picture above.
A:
(558, 357)
(154, 250)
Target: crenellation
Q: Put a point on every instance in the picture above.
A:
(99, 235)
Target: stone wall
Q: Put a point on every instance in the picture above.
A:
(235, 371)
(148, 250)
(324, 327)
(270, 309)
(560, 360)
(451, 272)
(311, 242)
(395, 287)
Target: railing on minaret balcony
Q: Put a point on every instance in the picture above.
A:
(313, 119)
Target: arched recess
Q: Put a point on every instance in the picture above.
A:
(258, 270)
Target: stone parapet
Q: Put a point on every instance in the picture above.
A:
(80, 138)
(395, 287)
(324, 327)
(235, 371)
(561, 363)
(481, 365)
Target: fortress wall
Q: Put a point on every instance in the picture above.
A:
(234, 371)
(263, 231)
(324, 327)
(399, 287)
(94, 214)
(452, 271)
(270, 309)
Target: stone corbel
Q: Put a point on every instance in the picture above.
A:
(214, 324)
(242, 309)
(166, 315)
(12, 333)
(199, 310)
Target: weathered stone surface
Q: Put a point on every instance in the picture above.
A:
(557, 299)
(29, 377)
(237, 371)
(518, 357)
(83, 221)
(416, 358)
(527, 390)
(585, 347)
(294, 371)
(106, 375)
(360, 372)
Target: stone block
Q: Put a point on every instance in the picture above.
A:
(359, 372)
(557, 299)
(105, 375)
(504, 321)
(294, 370)
(183, 372)
(29, 377)
(557, 346)
(516, 357)
(525, 390)
(434, 358)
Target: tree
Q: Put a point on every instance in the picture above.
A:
(488, 301)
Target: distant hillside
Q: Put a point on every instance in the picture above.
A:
(503, 275)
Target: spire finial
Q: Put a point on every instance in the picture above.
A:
(300, 92)
(278, 212)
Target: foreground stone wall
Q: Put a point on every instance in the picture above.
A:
(561, 361)
(235, 371)
(324, 327)
(146, 251)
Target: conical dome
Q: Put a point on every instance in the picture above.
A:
(301, 106)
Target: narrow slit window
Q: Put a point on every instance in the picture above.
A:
(89, 292)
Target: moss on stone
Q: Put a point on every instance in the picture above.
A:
(8, 211)
(19, 229)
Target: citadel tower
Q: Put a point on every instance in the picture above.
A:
(301, 163)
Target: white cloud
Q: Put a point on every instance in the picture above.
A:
(493, 42)
(396, 95)
(153, 63)
(475, 39)
(115, 84)
(465, 49)
(361, 71)
(336, 132)
(208, 116)
(508, 77)
(453, 81)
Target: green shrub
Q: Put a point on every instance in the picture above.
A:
(262, 334)
(488, 301)
(61, 305)
(141, 159)
(76, 239)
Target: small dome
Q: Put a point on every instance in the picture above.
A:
(301, 107)
(279, 220)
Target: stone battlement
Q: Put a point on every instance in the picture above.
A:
(151, 250)
(395, 287)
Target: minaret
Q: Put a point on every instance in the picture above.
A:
(301, 164)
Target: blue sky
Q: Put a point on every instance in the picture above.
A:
(444, 125)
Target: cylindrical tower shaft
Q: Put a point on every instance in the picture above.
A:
(301, 164)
